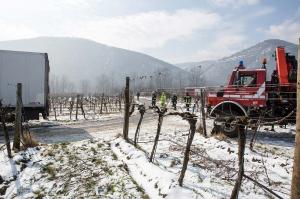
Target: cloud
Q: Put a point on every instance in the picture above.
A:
(224, 45)
(77, 18)
(15, 31)
(145, 30)
(288, 30)
(262, 11)
(235, 3)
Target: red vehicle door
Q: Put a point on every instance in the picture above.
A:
(247, 87)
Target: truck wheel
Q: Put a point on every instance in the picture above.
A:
(230, 129)
(227, 127)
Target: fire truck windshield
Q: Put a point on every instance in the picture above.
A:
(245, 80)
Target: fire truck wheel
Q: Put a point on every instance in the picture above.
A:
(227, 127)
(230, 129)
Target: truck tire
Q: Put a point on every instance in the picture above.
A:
(232, 130)
(227, 126)
(225, 114)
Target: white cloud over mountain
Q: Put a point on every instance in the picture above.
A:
(235, 3)
(288, 30)
(146, 30)
(174, 33)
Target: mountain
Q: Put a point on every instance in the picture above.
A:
(81, 60)
(189, 65)
(216, 72)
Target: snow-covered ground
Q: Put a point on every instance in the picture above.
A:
(86, 169)
(213, 166)
(95, 165)
(64, 119)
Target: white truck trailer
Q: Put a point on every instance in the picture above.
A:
(30, 69)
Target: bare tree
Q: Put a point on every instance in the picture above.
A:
(85, 87)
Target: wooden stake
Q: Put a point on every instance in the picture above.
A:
(242, 143)
(142, 110)
(295, 189)
(77, 106)
(203, 112)
(126, 112)
(6, 135)
(101, 103)
(159, 124)
(192, 121)
(18, 118)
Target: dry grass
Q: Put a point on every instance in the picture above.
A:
(199, 129)
(28, 141)
(220, 136)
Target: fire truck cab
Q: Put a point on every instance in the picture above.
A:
(246, 87)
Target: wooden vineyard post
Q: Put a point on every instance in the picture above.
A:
(101, 103)
(5, 131)
(71, 107)
(77, 106)
(18, 118)
(60, 106)
(161, 112)
(54, 109)
(142, 110)
(126, 112)
(192, 121)
(160, 120)
(120, 103)
(295, 189)
(241, 151)
(203, 112)
(81, 107)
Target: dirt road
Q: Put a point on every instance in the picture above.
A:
(86, 129)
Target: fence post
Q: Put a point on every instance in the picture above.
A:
(295, 189)
(203, 112)
(18, 118)
(142, 110)
(192, 121)
(77, 104)
(126, 112)
(81, 107)
(6, 135)
(120, 103)
(159, 124)
(101, 103)
(241, 151)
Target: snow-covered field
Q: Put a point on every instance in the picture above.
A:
(213, 165)
(65, 119)
(86, 169)
(108, 167)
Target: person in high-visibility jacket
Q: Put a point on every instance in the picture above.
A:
(163, 99)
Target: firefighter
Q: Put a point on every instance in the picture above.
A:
(241, 65)
(163, 99)
(188, 101)
(196, 105)
(264, 62)
(153, 98)
(174, 101)
(274, 77)
(138, 96)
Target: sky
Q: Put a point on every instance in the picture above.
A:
(175, 31)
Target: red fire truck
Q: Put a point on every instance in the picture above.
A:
(248, 93)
